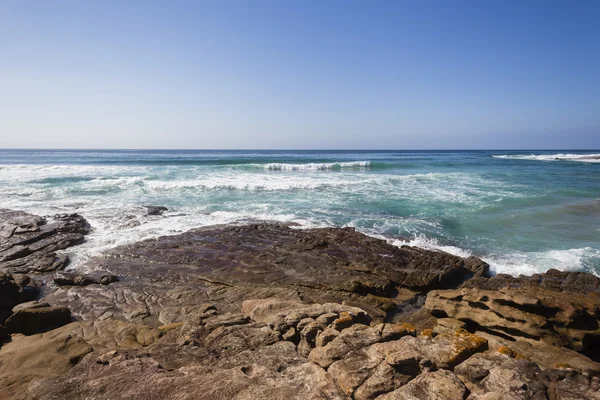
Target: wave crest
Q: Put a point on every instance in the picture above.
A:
(316, 166)
(594, 158)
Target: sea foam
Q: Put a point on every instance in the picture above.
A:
(316, 166)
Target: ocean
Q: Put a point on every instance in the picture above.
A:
(521, 211)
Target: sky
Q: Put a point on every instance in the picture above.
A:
(305, 74)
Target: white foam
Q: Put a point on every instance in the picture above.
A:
(432, 244)
(528, 263)
(110, 229)
(253, 182)
(110, 196)
(316, 166)
(519, 263)
(593, 158)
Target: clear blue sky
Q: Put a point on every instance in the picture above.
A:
(300, 74)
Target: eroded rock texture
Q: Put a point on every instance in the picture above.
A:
(164, 278)
(28, 243)
(269, 312)
(550, 313)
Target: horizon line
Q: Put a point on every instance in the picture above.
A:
(284, 149)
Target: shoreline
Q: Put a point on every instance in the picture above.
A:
(264, 299)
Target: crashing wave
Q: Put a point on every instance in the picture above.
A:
(316, 166)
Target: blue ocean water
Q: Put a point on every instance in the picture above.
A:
(522, 211)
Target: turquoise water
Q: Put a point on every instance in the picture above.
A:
(523, 212)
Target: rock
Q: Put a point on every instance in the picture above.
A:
(326, 336)
(28, 243)
(291, 335)
(108, 279)
(396, 331)
(448, 325)
(575, 387)
(352, 371)
(439, 385)
(14, 291)
(502, 376)
(442, 351)
(558, 318)
(232, 264)
(552, 280)
(265, 311)
(38, 356)
(82, 280)
(71, 279)
(64, 279)
(112, 334)
(169, 315)
(155, 210)
(169, 327)
(384, 379)
(36, 318)
(549, 357)
(29, 304)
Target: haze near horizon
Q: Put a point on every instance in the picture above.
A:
(309, 75)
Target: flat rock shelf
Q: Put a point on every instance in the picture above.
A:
(271, 311)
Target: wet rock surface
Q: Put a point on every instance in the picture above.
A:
(155, 210)
(266, 311)
(28, 243)
(228, 265)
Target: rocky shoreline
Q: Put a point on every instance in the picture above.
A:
(266, 311)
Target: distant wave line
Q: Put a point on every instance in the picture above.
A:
(594, 158)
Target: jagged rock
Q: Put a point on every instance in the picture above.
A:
(558, 318)
(28, 243)
(31, 318)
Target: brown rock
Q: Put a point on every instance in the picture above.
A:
(43, 355)
(15, 290)
(495, 374)
(439, 385)
(37, 318)
(558, 318)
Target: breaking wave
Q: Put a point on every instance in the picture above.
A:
(593, 158)
(316, 166)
